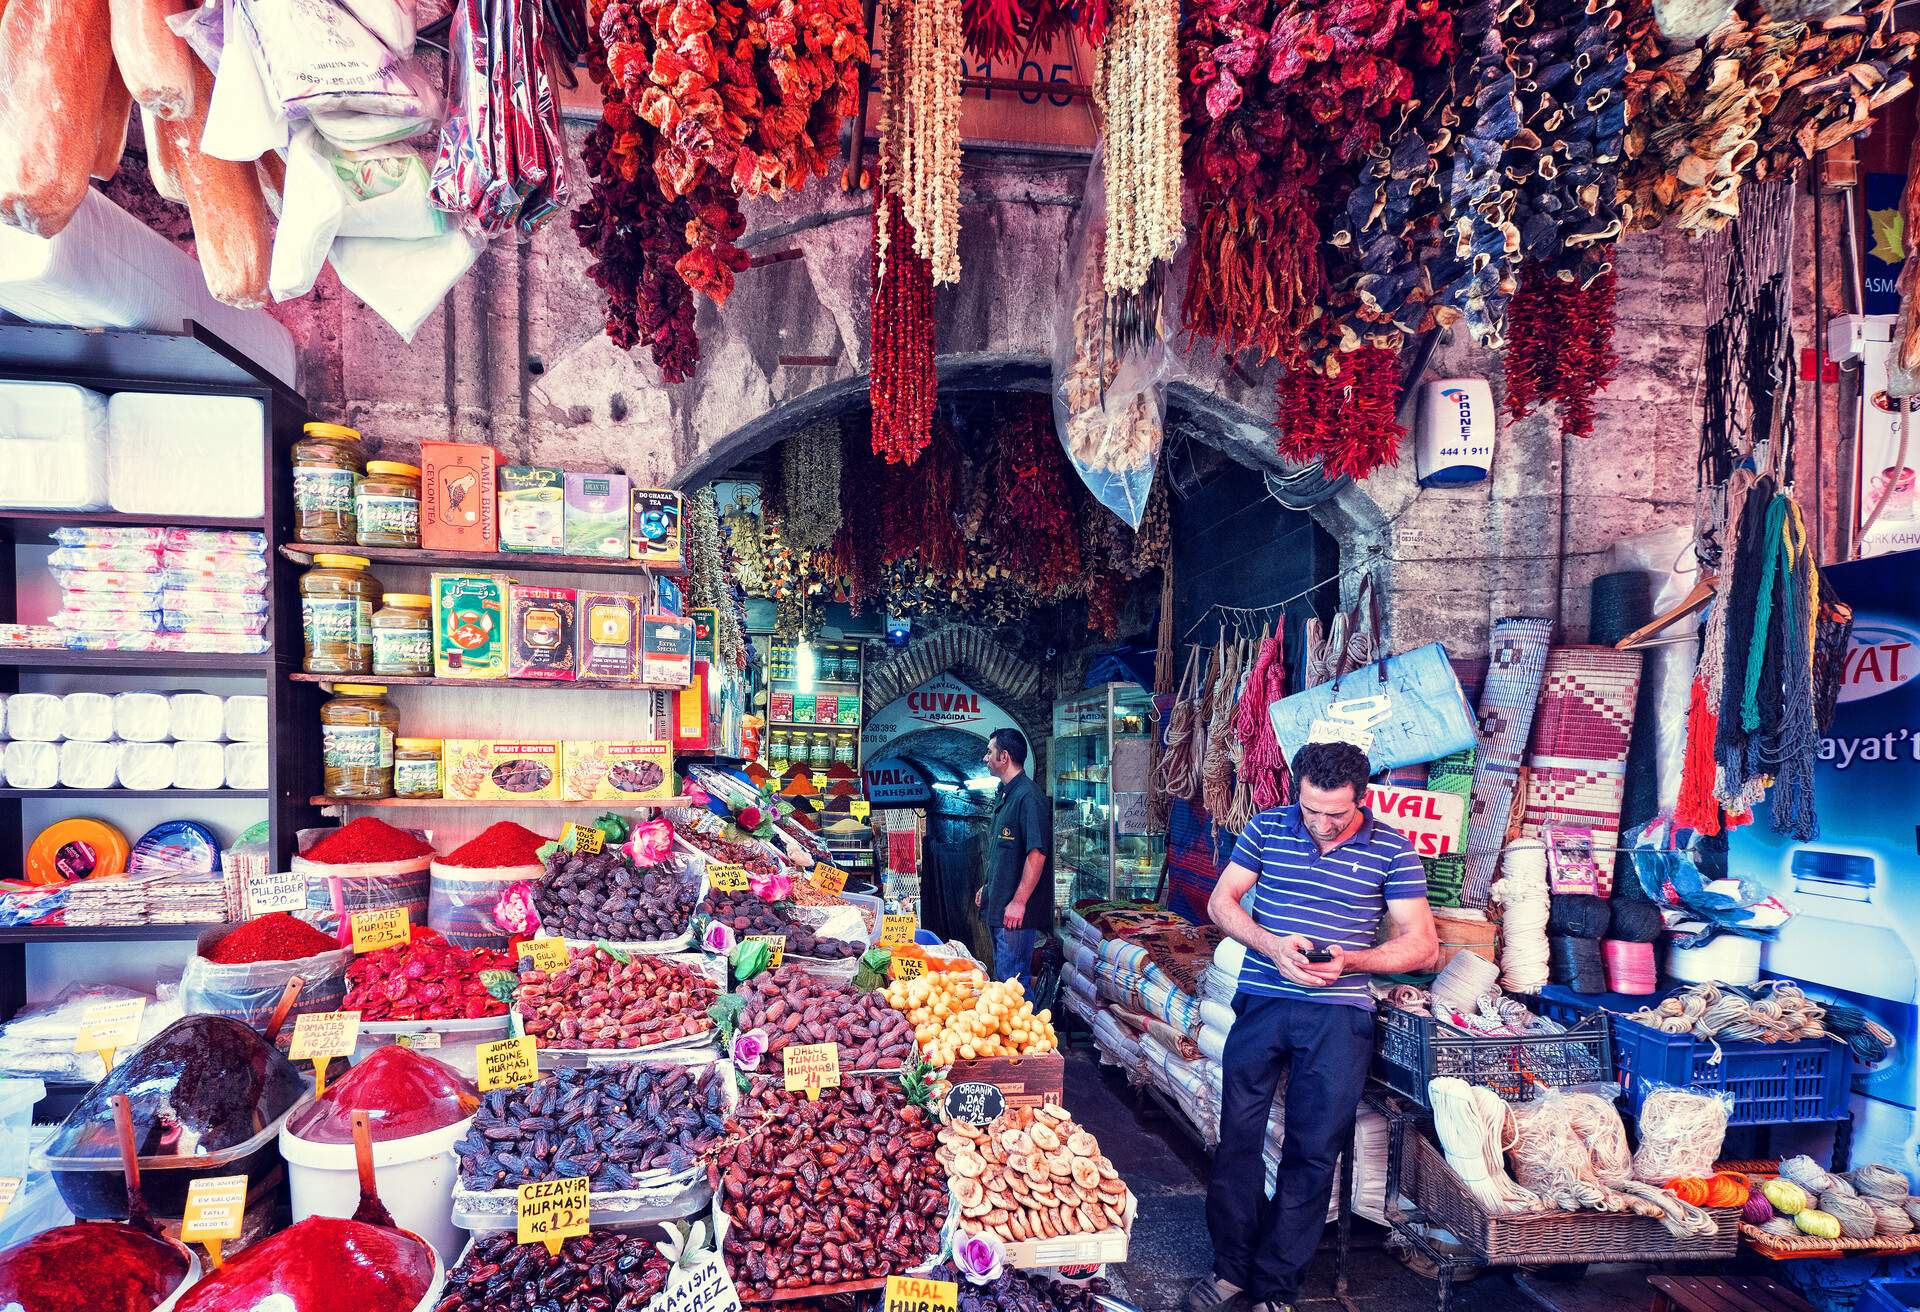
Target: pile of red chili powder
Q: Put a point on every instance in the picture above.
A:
(496, 847)
(275, 937)
(366, 841)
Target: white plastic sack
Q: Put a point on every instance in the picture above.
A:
(89, 765)
(333, 192)
(196, 716)
(146, 767)
(404, 281)
(87, 716)
(140, 717)
(321, 61)
(53, 439)
(38, 716)
(244, 121)
(32, 764)
(199, 765)
(245, 716)
(171, 454)
(246, 765)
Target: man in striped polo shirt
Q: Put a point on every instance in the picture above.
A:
(1323, 875)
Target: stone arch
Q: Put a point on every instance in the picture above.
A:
(976, 658)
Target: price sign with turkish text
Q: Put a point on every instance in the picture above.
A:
(897, 930)
(912, 1294)
(811, 1067)
(552, 1211)
(547, 954)
(380, 927)
(215, 1207)
(776, 947)
(106, 1027)
(829, 879)
(9, 1190)
(275, 890)
(507, 1063)
(726, 877)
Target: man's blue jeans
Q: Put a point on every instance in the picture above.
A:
(1013, 955)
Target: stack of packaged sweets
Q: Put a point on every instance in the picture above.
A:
(161, 589)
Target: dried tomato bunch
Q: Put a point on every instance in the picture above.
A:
(997, 29)
(901, 374)
(746, 97)
(917, 505)
(1347, 421)
(1031, 513)
(1560, 346)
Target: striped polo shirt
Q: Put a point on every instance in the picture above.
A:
(1335, 897)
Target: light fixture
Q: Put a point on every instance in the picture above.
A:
(985, 783)
(806, 666)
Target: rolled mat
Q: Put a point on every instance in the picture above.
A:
(1577, 754)
(1577, 963)
(1516, 664)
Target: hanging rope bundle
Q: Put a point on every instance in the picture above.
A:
(1773, 1011)
(1179, 769)
(1882, 1182)
(1261, 760)
(1521, 895)
(1216, 763)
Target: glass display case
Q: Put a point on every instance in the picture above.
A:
(1104, 845)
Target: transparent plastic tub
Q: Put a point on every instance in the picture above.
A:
(455, 1042)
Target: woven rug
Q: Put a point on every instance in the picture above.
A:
(1577, 756)
(1192, 869)
(1453, 773)
(1516, 660)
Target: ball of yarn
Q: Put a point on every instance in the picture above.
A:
(1630, 967)
(1822, 1225)
(1853, 1212)
(1577, 963)
(1782, 1226)
(1812, 1176)
(1756, 1210)
(1579, 915)
(1912, 1206)
(1464, 981)
(1786, 1197)
(1635, 920)
(1889, 1218)
(1882, 1182)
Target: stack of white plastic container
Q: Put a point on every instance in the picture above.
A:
(161, 589)
(139, 741)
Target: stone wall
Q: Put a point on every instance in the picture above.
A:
(516, 356)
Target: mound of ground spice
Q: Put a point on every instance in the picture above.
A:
(274, 937)
(366, 841)
(497, 846)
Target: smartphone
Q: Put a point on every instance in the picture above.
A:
(1319, 956)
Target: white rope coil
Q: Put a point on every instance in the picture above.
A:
(1521, 893)
(1475, 1129)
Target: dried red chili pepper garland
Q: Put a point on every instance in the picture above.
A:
(1032, 519)
(901, 375)
(1559, 346)
(1347, 422)
(999, 29)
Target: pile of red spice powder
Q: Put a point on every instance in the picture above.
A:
(497, 846)
(366, 841)
(275, 937)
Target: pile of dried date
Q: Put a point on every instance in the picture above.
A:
(601, 1001)
(601, 895)
(747, 914)
(842, 1188)
(793, 1006)
(608, 1123)
(601, 1270)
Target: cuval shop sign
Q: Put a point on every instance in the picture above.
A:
(1430, 821)
(942, 702)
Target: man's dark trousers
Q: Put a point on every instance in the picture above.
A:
(1263, 1244)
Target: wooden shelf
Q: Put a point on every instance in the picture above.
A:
(15, 523)
(522, 561)
(432, 681)
(59, 659)
(811, 725)
(135, 794)
(106, 933)
(546, 804)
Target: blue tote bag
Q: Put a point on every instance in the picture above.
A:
(1411, 704)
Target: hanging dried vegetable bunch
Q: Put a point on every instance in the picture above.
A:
(1560, 346)
(902, 380)
(810, 486)
(920, 68)
(916, 509)
(1029, 512)
(1347, 422)
(711, 583)
(1000, 29)
(795, 582)
(1115, 556)
(747, 97)
(1136, 87)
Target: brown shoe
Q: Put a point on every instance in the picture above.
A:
(1212, 1294)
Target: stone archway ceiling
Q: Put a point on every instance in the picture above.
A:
(1003, 675)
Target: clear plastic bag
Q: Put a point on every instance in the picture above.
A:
(193, 601)
(101, 623)
(1109, 407)
(214, 539)
(175, 621)
(122, 538)
(77, 602)
(131, 560)
(249, 993)
(1681, 1133)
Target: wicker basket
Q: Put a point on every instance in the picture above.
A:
(1459, 934)
(1548, 1238)
(1781, 1247)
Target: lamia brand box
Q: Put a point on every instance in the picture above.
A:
(470, 626)
(542, 632)
(597, 771)
(533, 503)
(459, 496)
(609, 635)
(596, 515)
(495, 770)
(657, 527)
(1855, 888)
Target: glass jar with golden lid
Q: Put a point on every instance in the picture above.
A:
(326, 469)
(416, 767)
(337, 596)
(387, 505)
(403, 634)
(358, 726)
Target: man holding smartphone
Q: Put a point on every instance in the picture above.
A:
(1324, 875)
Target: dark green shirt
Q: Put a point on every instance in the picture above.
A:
(1021, 824)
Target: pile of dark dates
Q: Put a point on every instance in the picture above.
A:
(602, 895)
(747, 914)
(601, 1271)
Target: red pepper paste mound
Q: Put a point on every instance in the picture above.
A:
(426, 979)
(94, 1266)
(321, 1264)
(403, 1093)
(497, 846)
(366, 842)
(273, 937)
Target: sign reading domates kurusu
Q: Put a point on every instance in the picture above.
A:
(942, 702)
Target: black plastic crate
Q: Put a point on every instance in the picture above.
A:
(1414, 1049)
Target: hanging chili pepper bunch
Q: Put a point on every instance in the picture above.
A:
(1560, 346)
(1031, 515)
(917, 505)
(1002, 29)
(902, 382)
(1345, 421)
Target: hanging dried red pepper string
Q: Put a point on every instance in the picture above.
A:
(1559, 346)
(902, 378)
(1348, 421)
(1002, 29)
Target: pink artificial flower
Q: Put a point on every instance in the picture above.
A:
(514, 910)
(749, 818)
(777, 887)
(980, 1257)
(651, 842)
(749, 1046)
(697, 797)
(719, 938)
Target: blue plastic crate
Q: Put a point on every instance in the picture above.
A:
(1889, 1294)
(1771, 1083)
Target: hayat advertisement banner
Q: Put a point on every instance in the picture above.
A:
(1855, 889)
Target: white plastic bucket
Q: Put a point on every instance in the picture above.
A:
(415, 1175)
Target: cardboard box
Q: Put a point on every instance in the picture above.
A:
(470, 626)
(692, 716)
(459, 496)
(606, 771)
(609, 635)
(705, 621)
(826, 708)
(596, 515)
(666, 650)
(1022, 1081)
(670, 594)
(806, 707)
(495, 770)
(533, 505)
(656, 527)
(542, 632)
(780, 707)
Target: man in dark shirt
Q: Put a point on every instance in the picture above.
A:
(1017, 900)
